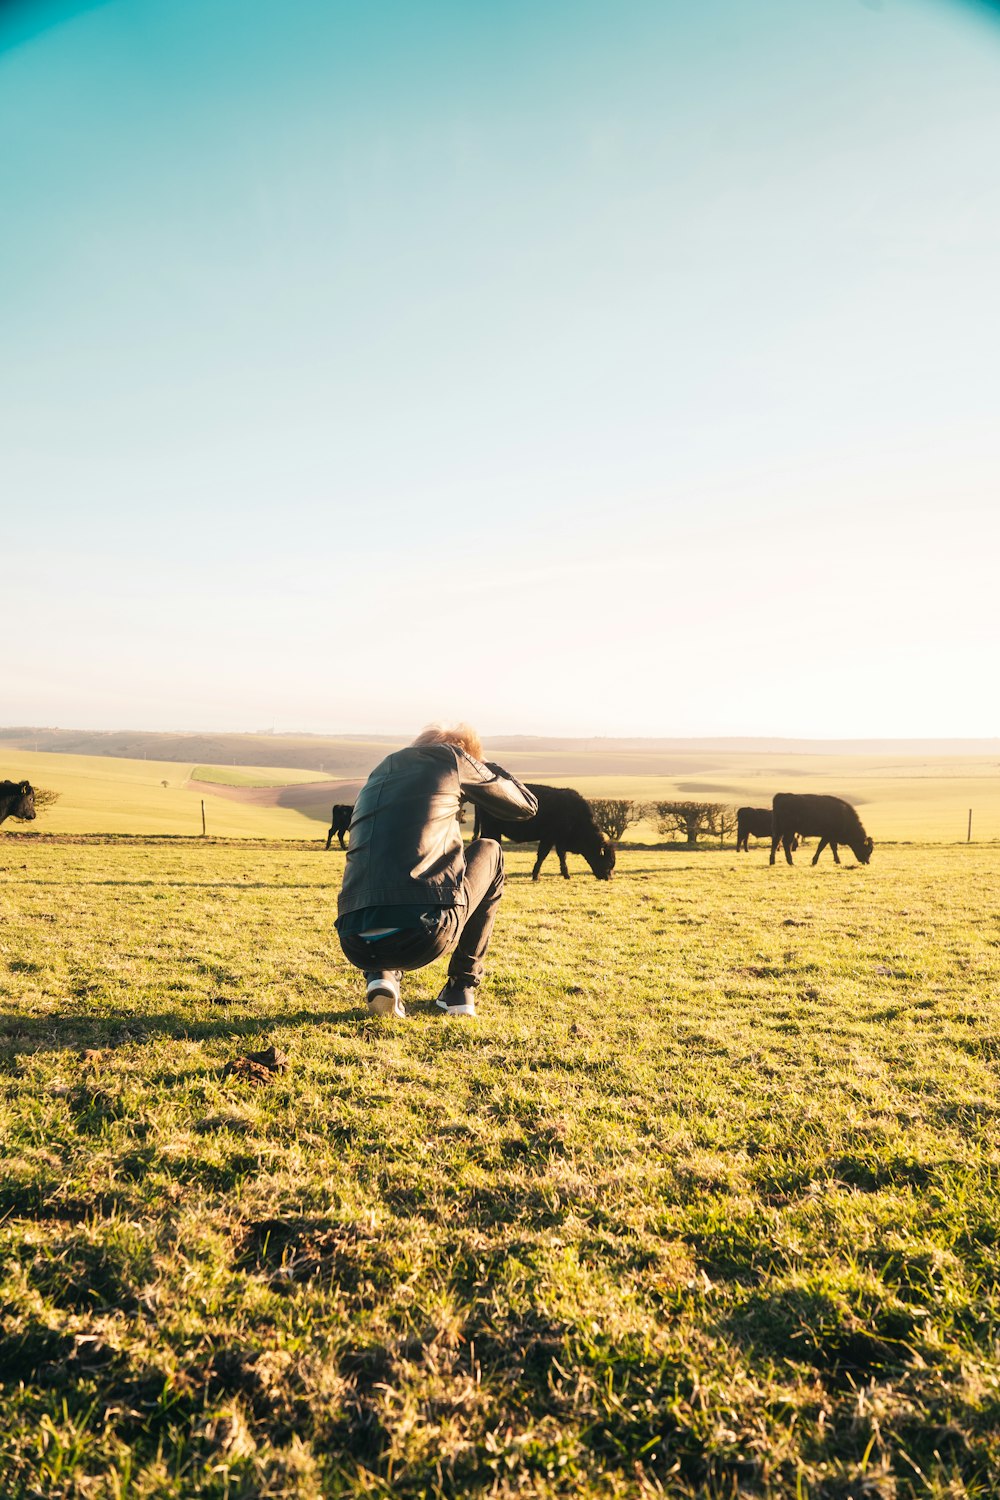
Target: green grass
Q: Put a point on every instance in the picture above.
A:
(252, 776)
(706, 1203)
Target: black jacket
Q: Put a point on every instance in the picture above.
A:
(406, 844)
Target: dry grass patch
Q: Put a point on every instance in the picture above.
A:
(706, 1204)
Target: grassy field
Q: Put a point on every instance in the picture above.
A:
(707, 1202)
(900, 798)
(253, 776)
(104, 794)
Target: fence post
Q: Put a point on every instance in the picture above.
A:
(203, 817)
(968, 836)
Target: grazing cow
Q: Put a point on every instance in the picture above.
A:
(752, 820)
(564, 822)
(756, 821)
(829, 819)
(17, 800)
(340, 822)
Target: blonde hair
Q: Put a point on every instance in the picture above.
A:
(462, 735)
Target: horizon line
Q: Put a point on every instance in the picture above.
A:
(989, 742)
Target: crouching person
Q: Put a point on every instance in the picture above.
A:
(411, 890)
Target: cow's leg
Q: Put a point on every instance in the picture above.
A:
(329, 838)
(544, 850)
(564, 872)
(787, 844)
(819, 849)
(775, 841)
(340, 836)
(836, 856)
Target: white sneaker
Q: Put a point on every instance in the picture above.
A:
(383, 997)
(457, 1000)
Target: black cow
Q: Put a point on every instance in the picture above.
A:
(752, 820)
(564, 822)
(829, 819)
(756, 821)
(340, 822)
(17, 800)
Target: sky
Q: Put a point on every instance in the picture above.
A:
(569, 367)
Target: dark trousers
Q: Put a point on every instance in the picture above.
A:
(467, 929)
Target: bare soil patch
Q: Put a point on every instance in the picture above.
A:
(302, 795)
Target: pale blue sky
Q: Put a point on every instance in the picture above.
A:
(571, 367)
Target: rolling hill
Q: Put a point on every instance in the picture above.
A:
(901, 797)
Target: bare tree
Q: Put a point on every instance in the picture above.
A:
(691, 819)
(45, 798)
(613, 815)
(723, 820)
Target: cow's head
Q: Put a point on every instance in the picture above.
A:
(863, 851)
(25, 807)
(601, 858)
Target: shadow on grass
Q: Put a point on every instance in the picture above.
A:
(581, 876)
(818, 1325)
(192, 885)
(21, 1034)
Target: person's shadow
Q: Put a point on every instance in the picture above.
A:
(22, 1034)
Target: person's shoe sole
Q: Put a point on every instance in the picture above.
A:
(385, 1003)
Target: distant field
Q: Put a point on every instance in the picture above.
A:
(252, 776)
(705, 1204)
(102, 794)
(916, 798)
(348, 756)
(897, 799)
(335, 756)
